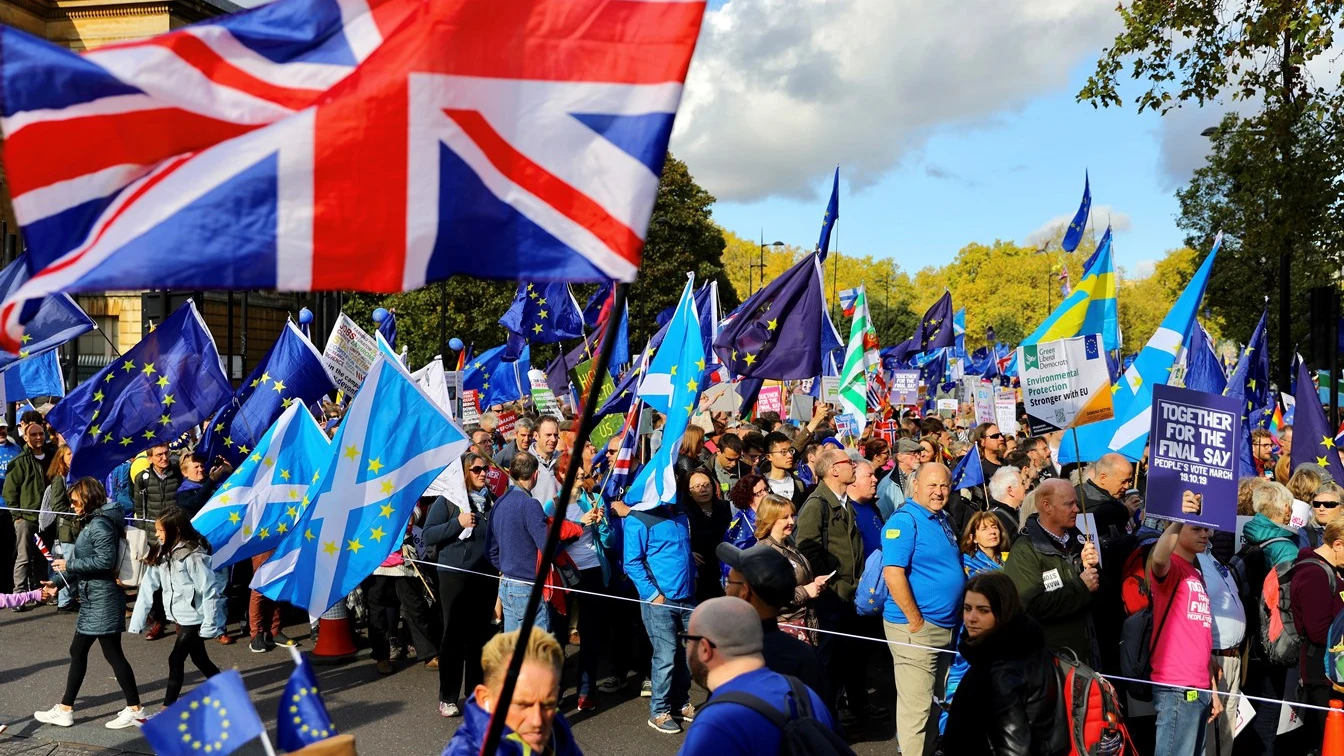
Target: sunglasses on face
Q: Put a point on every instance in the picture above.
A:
(478, 469)
(994, 435)
(1328, 504)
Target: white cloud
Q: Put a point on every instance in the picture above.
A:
(781, 90)
(1143, 269)
(1101, 215)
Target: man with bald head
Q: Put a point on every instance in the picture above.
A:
(1055, 571)
(921, 566)
(1107, 480)
(723, 645)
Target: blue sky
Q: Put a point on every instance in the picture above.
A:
(967, 170)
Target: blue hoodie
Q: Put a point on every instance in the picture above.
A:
(470, 736)
(658, 556)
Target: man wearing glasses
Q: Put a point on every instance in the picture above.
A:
(780, 456)
(1262, 452)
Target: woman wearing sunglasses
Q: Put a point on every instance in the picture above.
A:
(457, 539)
(1324, 501)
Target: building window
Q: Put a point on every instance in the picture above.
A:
(93, 343)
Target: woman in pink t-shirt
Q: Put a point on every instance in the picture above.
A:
(1182, 657)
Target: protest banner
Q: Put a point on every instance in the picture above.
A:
(1195, 441)
(771, 399)
(349, 353)
(542, 396)
(1065, 383)
(830, 389)
(508, 421)
(1005, 411)
(947, 407)
(471, 408)
(984, 403)
(846, 425)
(582, 376)
(905, 387)
(801, 406)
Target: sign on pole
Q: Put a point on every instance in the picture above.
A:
(349, 353)
(1192, 462)
(1005, 411)
(905, 387)
(1065, 383)
(542, 396)
(984, 403)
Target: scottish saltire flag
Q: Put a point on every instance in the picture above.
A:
(671, 385)
(55, 320)
(828, 220)
(497, 381)
(386, 349)
(388, 328)
(217, 715)
(777, 332)
(1127, 432)
(391, 445)
(32, 377)
(291, 372)
(1250, 385)
(266, 495)
(541, 314)
(302, 717)
(959, 332)
(500, 140)
(1074, 233)
(935, 329)
(155, 392)
(1203, 369)
(1313, 438)
(1089, 308)
(968, 471)
(861, 357)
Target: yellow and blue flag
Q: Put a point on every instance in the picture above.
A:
(937, 328)
(302, 717)
(216, 718)
(777, 333)
(1313, 438)
(55, 319)
(1078, 225)
(151, 395)
(1090, 308)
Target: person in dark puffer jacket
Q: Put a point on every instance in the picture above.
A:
(25, 482)
(155, 489)
(1008, 704)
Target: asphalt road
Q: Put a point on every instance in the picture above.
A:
(391, 715)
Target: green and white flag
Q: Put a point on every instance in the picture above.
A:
(860, 356)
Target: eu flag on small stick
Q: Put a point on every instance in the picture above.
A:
(216, 718)
(968, 471)
(302, 718)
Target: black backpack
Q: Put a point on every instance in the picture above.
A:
(800, 735)
(1249, 570)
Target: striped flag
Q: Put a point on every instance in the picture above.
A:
(860, 356)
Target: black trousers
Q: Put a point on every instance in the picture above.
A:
(116, 658)
(388, 597)
(594, 627)
(468, 603)
(189, 643)
(842, 658)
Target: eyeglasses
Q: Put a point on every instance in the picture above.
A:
(845, 461)
(684, 637)
(790, 451)
(758, 492)
(1324, 503)
(478, 469)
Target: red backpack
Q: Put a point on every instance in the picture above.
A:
(1090, 709)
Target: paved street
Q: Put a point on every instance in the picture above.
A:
(391, 715)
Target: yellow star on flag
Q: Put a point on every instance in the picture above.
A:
(700, 363)
(284, 475)
(27, 337)
(243, 449)
(542, 314)
(386, 511)
(354, 546)
(235, 518)
(375, 466)
(1327, 442)
(387, 488)
(536, 328)
(691, 385)
(98, 396)
(149, 435)
(128, 366)
(1323, 462)
(282, 528)
(148, 369)
(750, 359)
(330, 547)
(165, 420)
(351, 453)
(308, 534)
(162, 382)
(377, 534)
(770, 326)
(219, 427)
(265, 377)
(279, 387)
(168, 400)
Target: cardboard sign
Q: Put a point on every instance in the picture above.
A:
(1065, 383)
(905, 387)
(801, 406)
(582, 377)
(1005, 411)
(508, 421)
(349, 353)
(542, 396)
(1194, 446)
(984, 403)
(771, 399)
(471, 410)
(830, 389)
(947, 407)
(1087, 525)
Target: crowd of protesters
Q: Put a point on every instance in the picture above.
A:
(822, 577)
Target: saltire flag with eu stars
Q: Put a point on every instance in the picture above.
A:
(258, 504)
(1074, 233)
(671, 385)
(541, 314)
(1313, 438)
(776, 333)
(55, 319)
(157, 391)
(291, 372)
(216, 718)
(302, 717)
(936, 329)
(495, 380)
(392, 444)
(968, 472)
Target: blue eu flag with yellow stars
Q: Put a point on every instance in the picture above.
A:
(777, 331)
(968, 471)
(151, 395)
(1074, 234)
(291, 371)
(302, 718)
(832, 215)
(541, 314)
(216, 718)
(496, 381)
(937, 328)
(1313, 437)
(56, 319)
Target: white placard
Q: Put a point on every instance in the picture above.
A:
(1005, 411)
(1066, 383)
(1087, 525)
(349, 353)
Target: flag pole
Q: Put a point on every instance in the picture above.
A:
(587, 423)
(266, 743)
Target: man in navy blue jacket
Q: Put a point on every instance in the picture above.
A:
(659, 563)
(517, 534)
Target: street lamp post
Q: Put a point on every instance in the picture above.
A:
(761, 265)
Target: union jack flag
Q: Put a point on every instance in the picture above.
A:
(371, 145)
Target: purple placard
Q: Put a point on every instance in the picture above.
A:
(1194, 447)
(905, 387)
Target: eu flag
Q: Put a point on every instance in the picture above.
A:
(290, 372)
(302, 718)
(32, 377)
(968, 471)
(1203, 369)
(1313, 438)
(496, 381)
(154, 393)
(57, 319)
(1250, 385)
(936, 329)
(541, 314)
(217, 716)
(388, 328)
(828, 220)
(1078, 225)
(592, 311)
(777, 331)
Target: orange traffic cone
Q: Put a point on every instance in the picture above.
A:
(335, 639)
(1333, 744)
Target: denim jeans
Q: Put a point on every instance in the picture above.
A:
(670, 674)
(514, 598)
(1181, 722)
(65, 595)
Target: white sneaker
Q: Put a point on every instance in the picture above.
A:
(127, 717)
(56, 716)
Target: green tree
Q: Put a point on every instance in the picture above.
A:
(474, 306)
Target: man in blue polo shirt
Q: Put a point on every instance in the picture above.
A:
(723, 645)
(922, 567)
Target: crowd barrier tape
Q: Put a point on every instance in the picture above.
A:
(64, 514)
(1113, 678)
